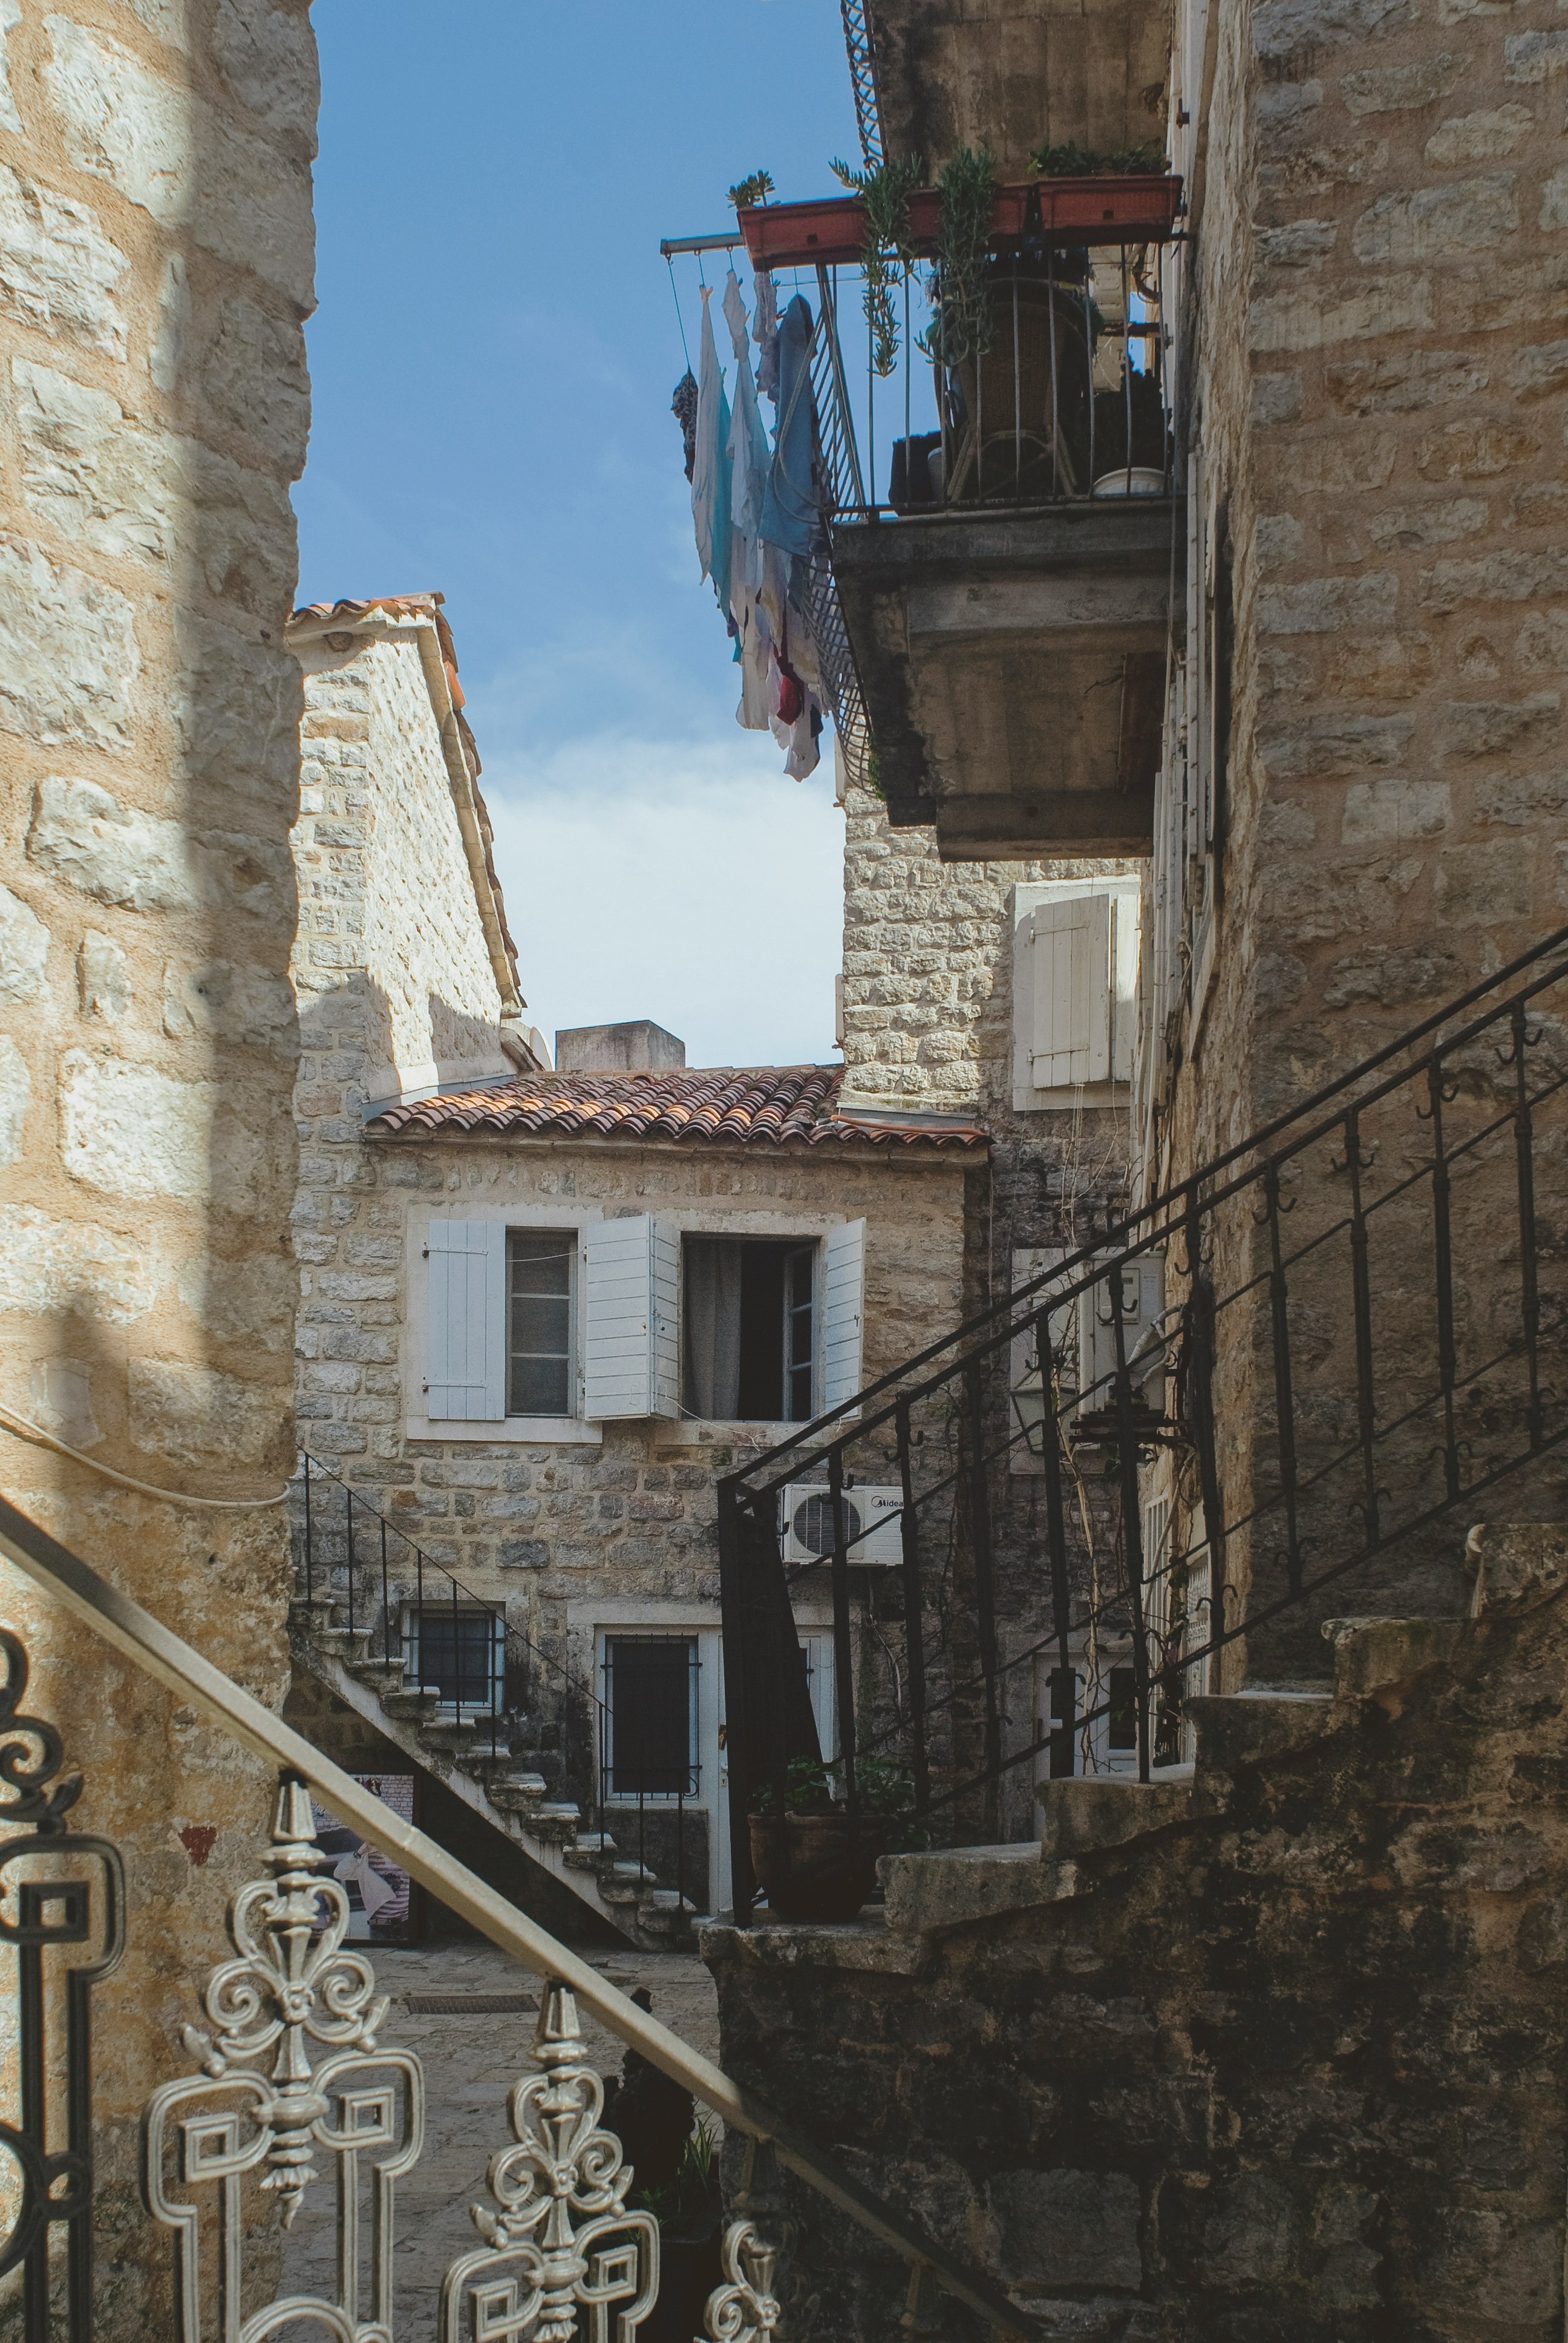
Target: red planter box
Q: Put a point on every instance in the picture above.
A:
(1134, 209)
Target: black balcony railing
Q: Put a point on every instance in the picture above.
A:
(1046, 385)
(1273, 1390)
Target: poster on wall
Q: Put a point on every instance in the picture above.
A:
(380, 1894)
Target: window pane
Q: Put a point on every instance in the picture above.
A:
(542, 1362)
(540, 1387)
(540, 1323)
(457, 1656)
(542, 1264)
(649, 1683)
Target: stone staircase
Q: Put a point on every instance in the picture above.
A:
(512, 1785)
(1237, 1735)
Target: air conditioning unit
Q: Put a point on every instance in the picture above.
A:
(871, 1523)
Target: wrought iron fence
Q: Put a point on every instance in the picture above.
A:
(422, 1631)
(232, 2148)
(1054, 392)
(1233, 1409)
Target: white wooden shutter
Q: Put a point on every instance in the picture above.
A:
(465, 1343)
(630, 1320)
(1071, 950)
(1126, 920)
(843, 1311)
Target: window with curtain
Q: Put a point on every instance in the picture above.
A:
(749, 1329)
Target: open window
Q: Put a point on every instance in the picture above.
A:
(749, 1316)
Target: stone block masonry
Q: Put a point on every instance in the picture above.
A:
(156, 269)
(1291, 2062)
(1384, 447)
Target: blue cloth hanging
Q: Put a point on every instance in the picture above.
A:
(791, 511)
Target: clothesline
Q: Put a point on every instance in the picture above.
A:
(757, 505)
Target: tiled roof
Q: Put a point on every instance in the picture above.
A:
(315, 617)
(727, 1105)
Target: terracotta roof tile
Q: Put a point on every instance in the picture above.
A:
(725, 1105)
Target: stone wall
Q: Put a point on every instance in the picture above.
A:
(927, 1023)
(1376, 190)
(389, 908)
(1291, 2061)
(625, 1508)
(156, 266)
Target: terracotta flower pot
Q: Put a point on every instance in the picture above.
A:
(817, 1866)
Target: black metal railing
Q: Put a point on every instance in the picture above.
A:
(1054, 391)
(422, 1620)
(1162, 1460)
(490, 1676)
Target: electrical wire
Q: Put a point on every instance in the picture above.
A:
(23, 1428)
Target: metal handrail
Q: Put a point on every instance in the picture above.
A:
(1163, 1212)
(1173, 1627)
(139, 1637)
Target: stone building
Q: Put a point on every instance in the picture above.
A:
(542, 1311)
(1201, 2061)
(155, 268)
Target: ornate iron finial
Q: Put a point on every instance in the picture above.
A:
(539, 2262)
(31, 1752)
(745, 2309)
(291, 1985)
(289, 1982)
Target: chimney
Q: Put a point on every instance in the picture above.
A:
(640, 1048)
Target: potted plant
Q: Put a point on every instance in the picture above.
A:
(889, 253)
(814, 1859)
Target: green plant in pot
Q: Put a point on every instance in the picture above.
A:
(888, 255)
(815, 1859)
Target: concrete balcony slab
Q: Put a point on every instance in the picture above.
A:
(1013, 671)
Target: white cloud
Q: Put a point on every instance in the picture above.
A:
(691, 882)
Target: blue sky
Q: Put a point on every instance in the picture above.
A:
(492, 364)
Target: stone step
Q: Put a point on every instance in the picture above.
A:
(623, 1883)
(519, 1793)
(349, 1645)
(1238, 1731)
(589, 1849)
(381, 1676)
(661, 1912)
(1089, 1810)
(558, 1814)
(926, 1893)
(416, 1701)
(1372, 1652)
(312, 1612)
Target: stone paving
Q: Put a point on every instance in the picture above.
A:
(470, 2063)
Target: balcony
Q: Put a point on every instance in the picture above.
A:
(1003, 540)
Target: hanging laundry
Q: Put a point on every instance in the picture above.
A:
(791, 515)
(711, 468)
(683, 406)
(804, 735)
(749, 456)
(765, 334)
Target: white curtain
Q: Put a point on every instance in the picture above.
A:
(712, 1328)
